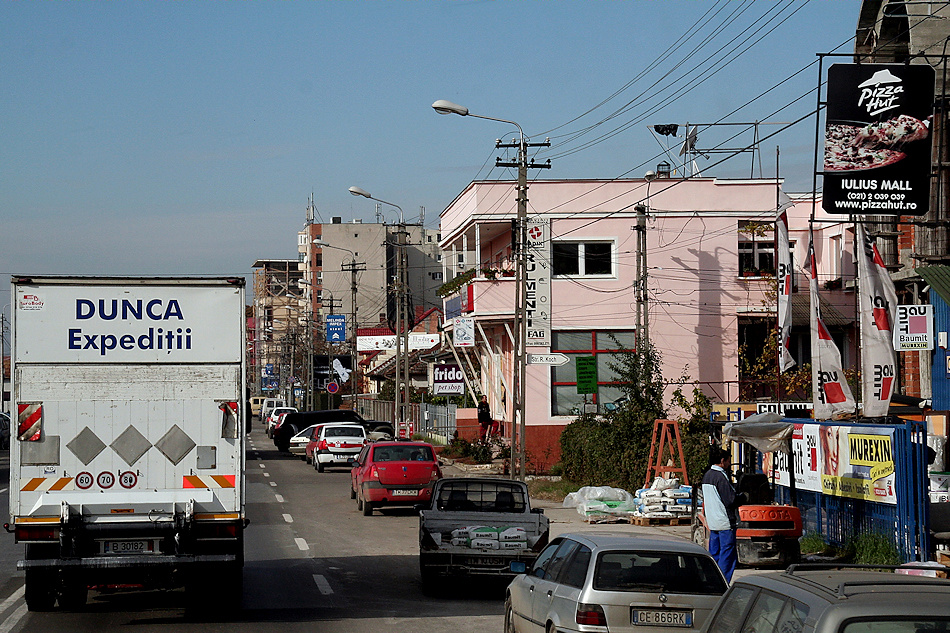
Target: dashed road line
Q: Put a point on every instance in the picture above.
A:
(288, 518)
(263, 465)
(280, 498)
(301, 544)
(322, 584)
(274, 484)
(13, 620)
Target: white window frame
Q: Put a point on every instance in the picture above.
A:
(580, 258)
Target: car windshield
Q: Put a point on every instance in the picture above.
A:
(480, 496)
(303, 435)
(669, 572)
(343, 431)
(402, 454)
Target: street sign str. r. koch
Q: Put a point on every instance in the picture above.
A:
(548, 359)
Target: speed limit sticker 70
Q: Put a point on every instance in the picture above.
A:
(105, 479)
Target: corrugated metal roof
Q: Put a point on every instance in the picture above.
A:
(829, 314)
(938, 277)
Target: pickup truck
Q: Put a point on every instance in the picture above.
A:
(478, 527)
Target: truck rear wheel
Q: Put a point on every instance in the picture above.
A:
(41, 582)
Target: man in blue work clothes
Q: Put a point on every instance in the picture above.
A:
(720, 505)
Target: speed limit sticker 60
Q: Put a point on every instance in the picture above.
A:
(84, 480)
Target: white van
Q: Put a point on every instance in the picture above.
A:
(268, 406)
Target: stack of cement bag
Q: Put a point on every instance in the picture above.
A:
(601, 503)
(490, 537)
(664, 499)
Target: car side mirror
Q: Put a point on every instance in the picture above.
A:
(537, 510)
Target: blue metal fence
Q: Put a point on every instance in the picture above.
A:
(906, 524)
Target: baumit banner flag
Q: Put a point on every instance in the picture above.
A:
(877, 302)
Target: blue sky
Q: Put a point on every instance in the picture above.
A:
(186, 137)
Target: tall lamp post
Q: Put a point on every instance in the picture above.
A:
(402, 332)
(521, 323)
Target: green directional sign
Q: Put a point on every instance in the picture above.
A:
(586, 368)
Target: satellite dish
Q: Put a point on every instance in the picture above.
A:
(689, 144)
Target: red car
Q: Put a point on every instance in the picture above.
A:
(312, 444)
(394, 474)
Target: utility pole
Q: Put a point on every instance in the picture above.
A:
(521, 292)
(353, 267)
(402, 336)
(643, 318)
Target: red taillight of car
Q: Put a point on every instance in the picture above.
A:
(591, 615)
(322, 446)
(373, 472)
(436, 474)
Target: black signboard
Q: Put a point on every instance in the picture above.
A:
(327, 368)
(878, 140)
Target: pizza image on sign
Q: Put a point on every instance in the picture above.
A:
(852, 147)
(878, 142)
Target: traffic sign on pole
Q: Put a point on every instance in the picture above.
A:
(336, 328)
(548, 359)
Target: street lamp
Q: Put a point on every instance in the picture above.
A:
(402, 315)
(521, 323)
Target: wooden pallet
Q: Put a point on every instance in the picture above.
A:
(648, 521)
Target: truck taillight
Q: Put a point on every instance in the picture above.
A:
(37, 533)
(205, 530)
(591, 615)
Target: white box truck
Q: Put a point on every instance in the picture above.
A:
(127, 446)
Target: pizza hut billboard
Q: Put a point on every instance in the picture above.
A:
(877, 139)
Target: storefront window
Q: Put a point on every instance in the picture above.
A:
(603, 345)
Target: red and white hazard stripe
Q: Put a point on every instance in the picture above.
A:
(30, 421)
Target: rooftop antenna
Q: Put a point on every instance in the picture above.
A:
(422, 215)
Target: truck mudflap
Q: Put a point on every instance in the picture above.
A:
(127, 561)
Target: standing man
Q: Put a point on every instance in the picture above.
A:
(720, 504)
(484, 417)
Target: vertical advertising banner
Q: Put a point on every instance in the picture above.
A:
(463, 332)
(877, 152)
(538, 282)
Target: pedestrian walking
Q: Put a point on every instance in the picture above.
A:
(485, 420)
(720, 505)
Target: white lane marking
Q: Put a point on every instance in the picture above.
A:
(288, 518)
(14, 597)
(274, 484)
(267, 474)
(263, 465)
(322, 584)
(14, 620)
(2, 490)
(301, 544)
(280, 498)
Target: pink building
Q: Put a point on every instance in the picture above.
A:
(710, 265)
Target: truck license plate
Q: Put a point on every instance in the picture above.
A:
(661, 617)
(404, 493)
(127, 547)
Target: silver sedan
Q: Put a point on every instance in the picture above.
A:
(602, 581)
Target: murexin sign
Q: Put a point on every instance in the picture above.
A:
(877, 153)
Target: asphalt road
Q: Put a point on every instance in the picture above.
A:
(313, 563)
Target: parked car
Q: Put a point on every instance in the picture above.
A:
(838, 599)
(298, 443)
(312, 443)
(618, 582)
(274, 416)
(269, 405)
(4, 431)
(338, 444)
(256, 402)
(393, 474)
